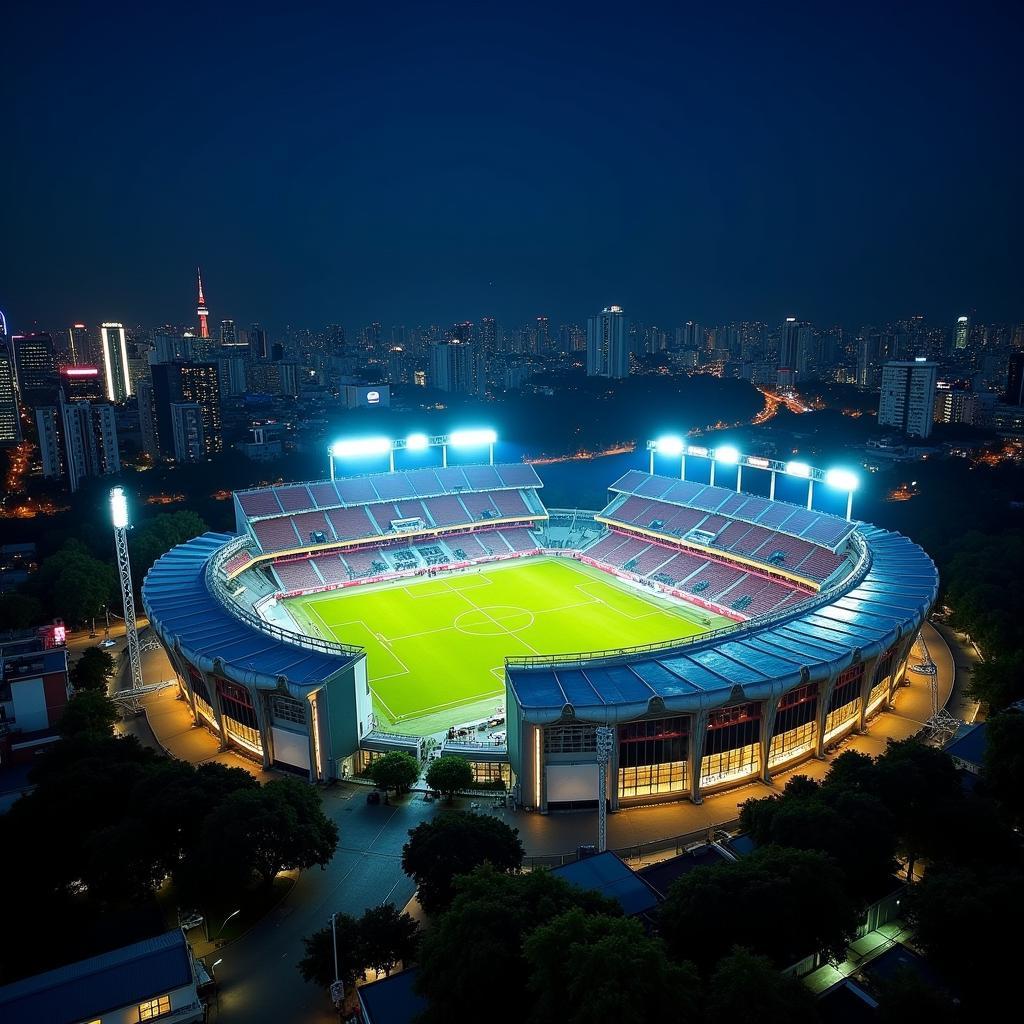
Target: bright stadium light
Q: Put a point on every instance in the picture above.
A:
(472, 438)
(694, 449)
(800, 469)
(728, 455)
(417, 442)
(361, 446)
(842, 480)
(118, 508)
(669, 445)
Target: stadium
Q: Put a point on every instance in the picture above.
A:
(691, 635)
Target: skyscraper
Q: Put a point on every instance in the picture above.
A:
(114, 350)
(457, 366)
(78, 344)
(81, 383)
(228, 334)
(1015, 380)
(187, 431)
(10, 421)
(907, 401)
(77, 440)
(489, 335)
(176, 383)
(258, 342)
(543, 336)
(961, 333)
(607, 344)
(35, 368)
(201, 311)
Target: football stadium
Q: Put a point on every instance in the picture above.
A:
(691, 635)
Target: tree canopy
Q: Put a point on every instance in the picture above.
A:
(74, 585)
(394, 771)
(449, 774)
(452, 844)
(92, 670)
(90, 712)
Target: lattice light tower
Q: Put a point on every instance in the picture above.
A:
(119, 517)
(605, 741)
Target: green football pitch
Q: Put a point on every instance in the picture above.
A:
(436, 646)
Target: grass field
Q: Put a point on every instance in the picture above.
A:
(436, 647)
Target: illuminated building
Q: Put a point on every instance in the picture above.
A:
(457, 366)
(180, 382)
(607, 344)
(258, 342)
(187, 433)
(79, 348)
(10, 421)
(1015, 380)
(77, 439)
(961, 333)
(908, 396)
(114, 350)
(35, 368)
(81, 383)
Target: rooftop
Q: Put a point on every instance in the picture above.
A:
(607, 874)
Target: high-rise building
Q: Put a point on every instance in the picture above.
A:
(258, 342)
(228, 334)
(10, 421)
(168, 347)
(187, 431)
(398, 366)
(1015, 380)
(231, 369)
(79, 348)
(147, 419)
(489, 335)
(457, 366)
(201, 311)
(543, 334)
(961, 333)
(907, 400)
(868, 357)
(77, 440)
(35, 368)
(196, 383)
(81, 383)
(114, 350)
(607, 344)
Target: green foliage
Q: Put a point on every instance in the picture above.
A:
(92, 670)
(449, 774)
(90, 713)
(748, 989)
(907, 998)
(998, 681)
(395, 771)
(589, 967)
(480, 939)
(454, 844)
(380, 939)
(74, 585)
(801, 900)
(20, 611)
(1004, 763)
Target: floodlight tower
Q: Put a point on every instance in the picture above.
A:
(119, 517)
(605, 742)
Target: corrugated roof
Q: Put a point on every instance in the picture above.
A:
(181, 607)
(90, 988)
(606, 874)
(895, 594)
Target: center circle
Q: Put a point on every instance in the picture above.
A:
(493, 620)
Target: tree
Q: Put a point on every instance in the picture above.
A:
(801, 900)
(20, 611)
(92, 670)
(907, 998)
(588, 967)
(75, 585)
(999, 682)
(482, 933)
(395, 771)
(388, 937)
(1004, 763)
(449, 774)
(454, 844)
(88, 713)
(748, 989)
(317, 966)
(266, 830)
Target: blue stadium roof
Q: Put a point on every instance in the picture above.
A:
(181, 607)
(764, 660)
(606, 874)
(88, 989)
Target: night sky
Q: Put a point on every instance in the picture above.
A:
(429, 163)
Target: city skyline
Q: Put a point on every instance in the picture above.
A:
(459, 154)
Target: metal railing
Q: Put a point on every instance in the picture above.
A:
(621, 654)
(215, 584)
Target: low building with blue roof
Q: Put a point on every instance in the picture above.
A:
(150, 980)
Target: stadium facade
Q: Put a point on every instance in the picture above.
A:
(822, 612)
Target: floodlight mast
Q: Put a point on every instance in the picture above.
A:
(119, 518)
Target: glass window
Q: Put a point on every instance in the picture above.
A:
(287, 709)
(151, 1009)
(570, 739)
(652, 756)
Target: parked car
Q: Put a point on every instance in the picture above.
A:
(373, 797)
(108, 643)
(499, 737)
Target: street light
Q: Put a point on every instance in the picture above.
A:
(223, 925)
(337, 988)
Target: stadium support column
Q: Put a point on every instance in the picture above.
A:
(771, 490)
(259, 708)
(825, 689)
(180, 663)
(695, 751)
(769, 709)
(866, 686)
(810, 494)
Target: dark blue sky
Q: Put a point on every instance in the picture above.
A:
(430, 162)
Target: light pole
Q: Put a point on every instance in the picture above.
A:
(337, 988)
(604, 751)
(223, 925)
(119, 518)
